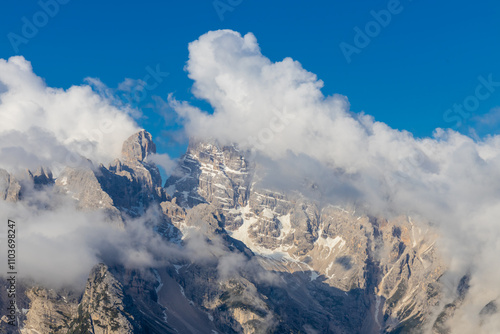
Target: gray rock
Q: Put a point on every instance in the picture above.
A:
(138, 146)
(102, 309)
(10, 189)
(42, 177)
(393, 266)
(49, 311)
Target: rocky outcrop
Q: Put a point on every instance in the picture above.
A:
(103, 308)
(243, 308)
(138, 147)
(127, 186)
(392, 265)
(134, 182)
(41, 177)
(211, 173)
(49, 311)
(174, 212)
(10, 189)
(83, 186)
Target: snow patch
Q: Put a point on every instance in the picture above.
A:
(242, 233)
(286, 225)
(177, 267)
(158, 279)
(268, 213)
(330, 243)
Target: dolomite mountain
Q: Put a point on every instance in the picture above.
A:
(274, 261)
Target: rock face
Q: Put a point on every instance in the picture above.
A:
(388, 268)
(134, 183)
(49, 311)
(127, 186)
(246, 258)
(102, 309)
(84, 186)
(10, 188)
(42, 177)
(206, 164)
(138, 147)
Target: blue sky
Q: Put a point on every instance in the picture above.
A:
(429, 57)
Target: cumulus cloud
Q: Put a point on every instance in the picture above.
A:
(57, 243)
(277, 110)
(45, 126)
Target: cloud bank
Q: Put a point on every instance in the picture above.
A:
(277, 110)
(45, 126)
(57, 244)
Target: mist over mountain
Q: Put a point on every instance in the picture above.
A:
(288, 212)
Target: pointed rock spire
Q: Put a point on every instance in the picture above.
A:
(42, 176)
(138, 146)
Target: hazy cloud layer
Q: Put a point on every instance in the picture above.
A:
(57, 244)
(43, 126)
(278, 111)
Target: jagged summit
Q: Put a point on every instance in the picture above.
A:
(42, 176)
(138, 146)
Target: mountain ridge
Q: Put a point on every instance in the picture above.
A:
(245, 257)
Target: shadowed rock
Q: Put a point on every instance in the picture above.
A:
(10, 189)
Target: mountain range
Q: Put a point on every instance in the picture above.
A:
(232, 253)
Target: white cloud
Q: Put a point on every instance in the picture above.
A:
(278, 110)
(164, 161)
(41, 125)
(57, 244)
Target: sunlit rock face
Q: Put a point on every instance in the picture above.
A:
(390, 267)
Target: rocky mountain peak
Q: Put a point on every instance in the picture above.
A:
(138, 146)
(10, 188)
(42, 176)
